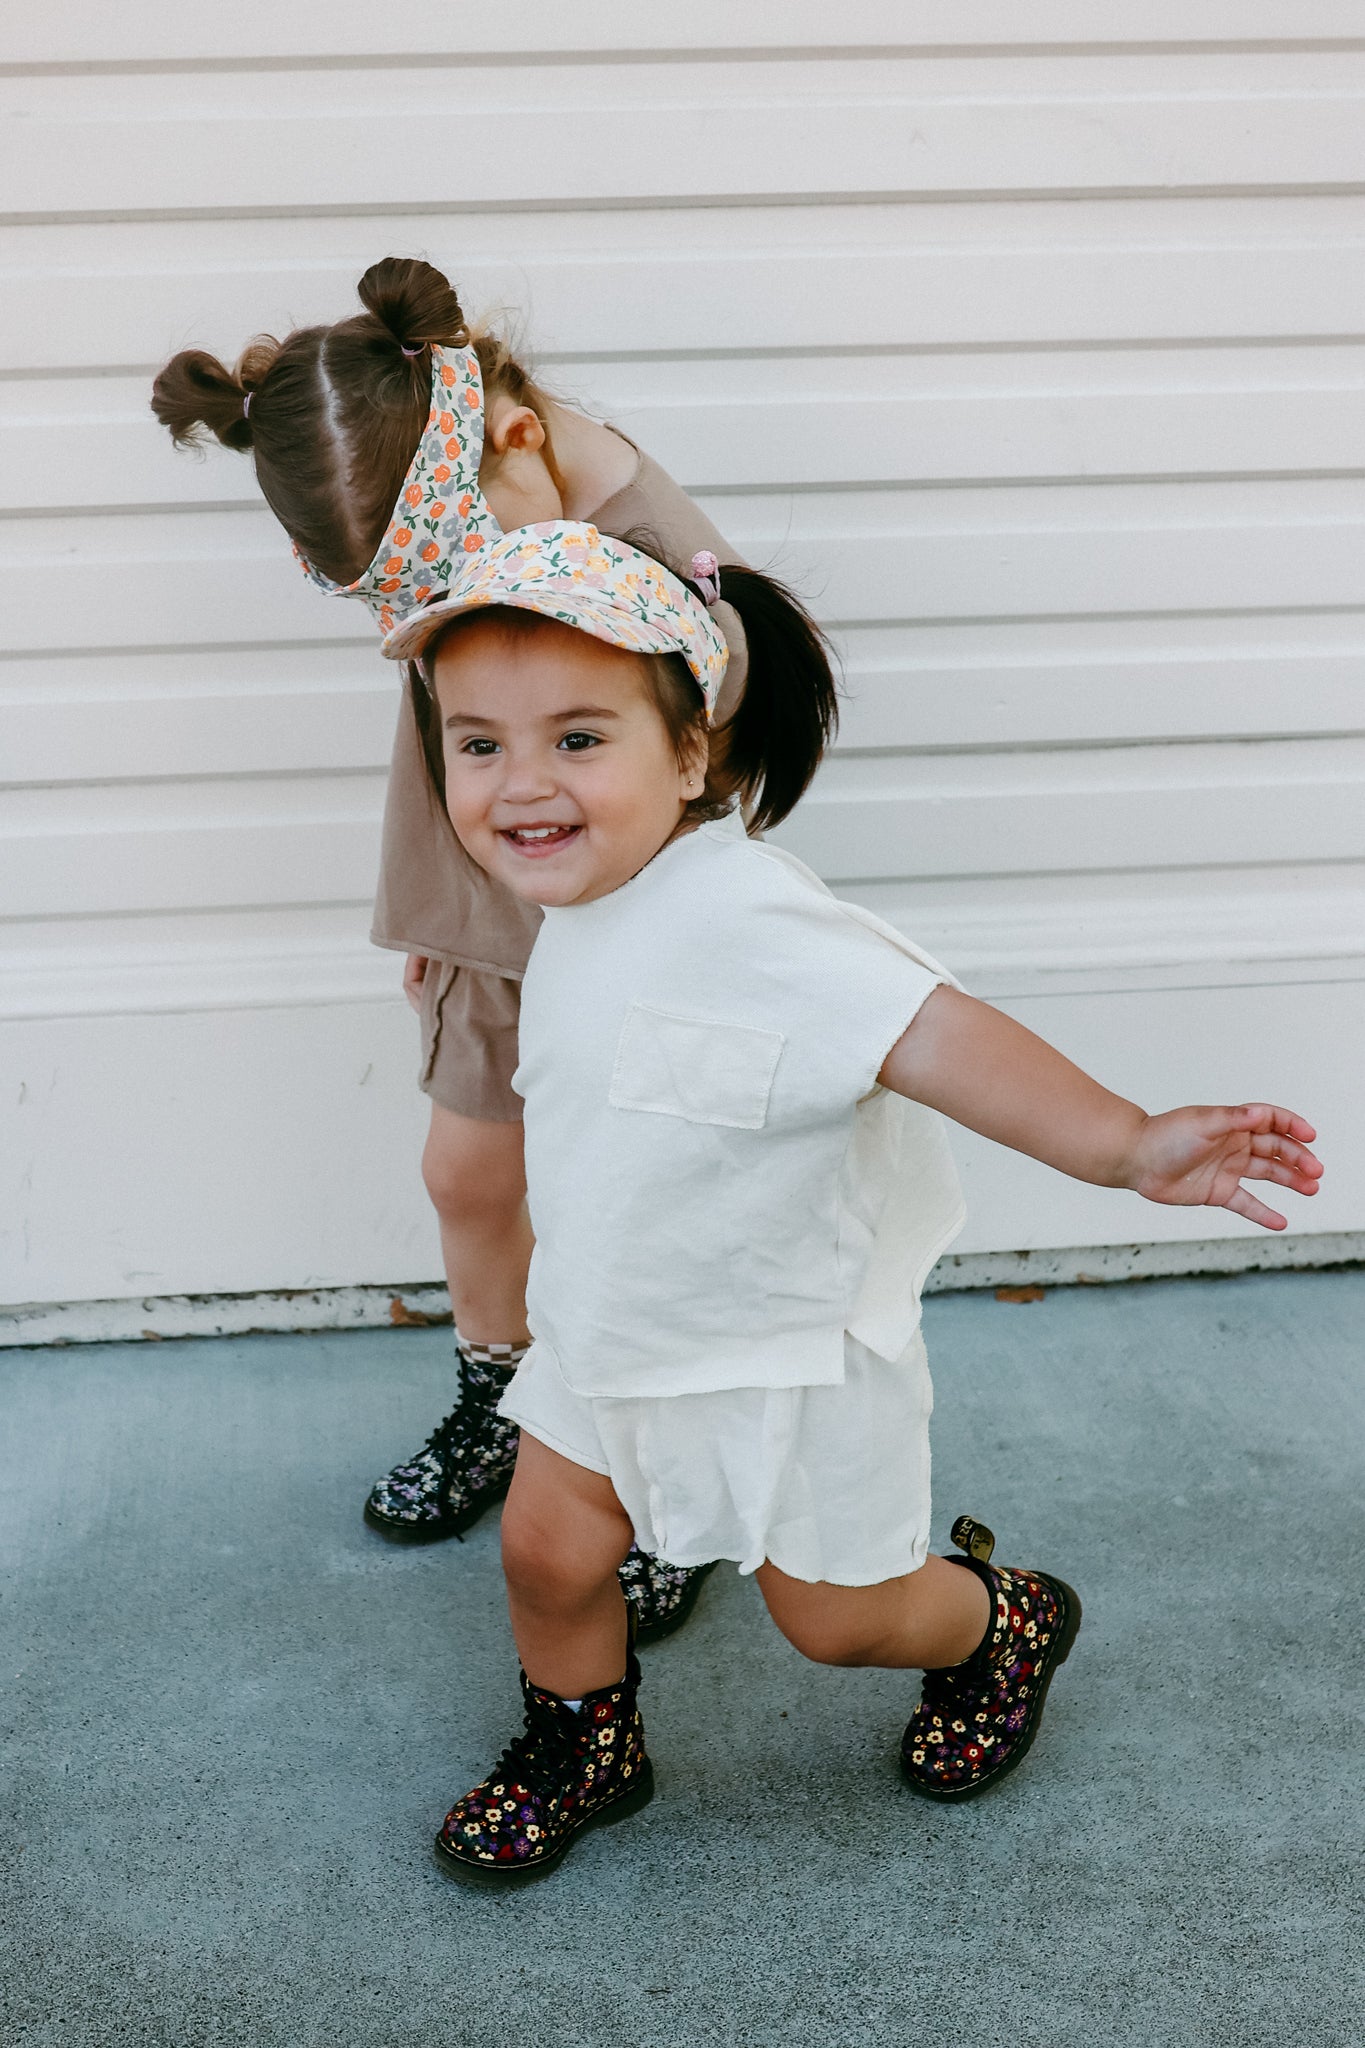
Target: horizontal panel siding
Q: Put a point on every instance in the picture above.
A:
(1269, 803)
(296, 840)
(291, 732)
(1029, 345)
(1210, 928)
(141, 716)
(862, 558)
(936, 421)
(162, 31)
(889, 277)
(101, 147)
(284, 732)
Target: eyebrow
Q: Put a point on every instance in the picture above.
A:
(598, 713)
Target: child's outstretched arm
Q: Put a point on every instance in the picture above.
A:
(983, 1070)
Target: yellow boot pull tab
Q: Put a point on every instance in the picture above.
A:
(974, 1537)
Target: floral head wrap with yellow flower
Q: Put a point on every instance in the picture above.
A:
(442, 517)
(567, 570)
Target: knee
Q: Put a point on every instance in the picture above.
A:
(474, 1175)
(528, 1553)
(540, 1569)
(555, 1567)
(821, 1641)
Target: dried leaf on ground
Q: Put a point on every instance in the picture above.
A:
(405, 1318)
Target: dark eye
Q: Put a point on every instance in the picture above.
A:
(480, 749)
(579, 742)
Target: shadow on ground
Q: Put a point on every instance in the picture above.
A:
(233, 1718)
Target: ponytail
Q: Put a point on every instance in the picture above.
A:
(332, 415)
(195, 390)
(789, 711)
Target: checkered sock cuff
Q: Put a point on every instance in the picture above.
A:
(503, 1358)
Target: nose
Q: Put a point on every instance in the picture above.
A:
(528, 777)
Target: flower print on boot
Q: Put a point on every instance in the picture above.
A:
(661, 1595)
(977, 1720)
(465, 1467)
(571, 1769)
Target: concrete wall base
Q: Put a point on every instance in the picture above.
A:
(423, 1302)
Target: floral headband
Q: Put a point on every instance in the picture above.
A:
(567, 570)
(442, 517)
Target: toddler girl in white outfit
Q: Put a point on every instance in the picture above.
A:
(738, 1181)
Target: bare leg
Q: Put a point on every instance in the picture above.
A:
(929, 1618)
(476, 1178)
(564, 1533)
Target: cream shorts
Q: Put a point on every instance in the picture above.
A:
(828, 1483)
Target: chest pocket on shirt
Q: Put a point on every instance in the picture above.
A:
(694, 1068)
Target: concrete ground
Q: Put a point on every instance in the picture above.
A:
(232, 1719)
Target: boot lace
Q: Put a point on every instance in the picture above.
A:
(460, 1431)
(942, 1691)
(545, 1756)
(454, 1432)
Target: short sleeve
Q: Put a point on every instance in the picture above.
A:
(845, 986)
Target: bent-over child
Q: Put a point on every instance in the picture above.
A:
(390, 446)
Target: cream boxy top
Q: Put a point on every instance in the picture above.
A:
(718, 1186)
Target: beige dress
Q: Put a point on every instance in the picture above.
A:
(433, 899)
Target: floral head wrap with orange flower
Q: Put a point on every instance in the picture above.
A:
(442, 517)
(566, 570)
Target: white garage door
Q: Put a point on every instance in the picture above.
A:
(1038, 364)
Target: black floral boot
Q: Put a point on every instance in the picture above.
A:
(572, 1769)
(977, 1720)
(466, 1463)
(661, 1595)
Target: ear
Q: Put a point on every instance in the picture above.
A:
(694, 764)
(514, 429)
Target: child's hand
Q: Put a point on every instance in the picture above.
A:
(1194, 1156)
(982, 1068)
(414, 974)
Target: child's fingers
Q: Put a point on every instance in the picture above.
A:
(1274, 1146)
(1243, 1203)
(1288, 1154)
(1267, 1117)
(1296, 1158)
(1284, 1173)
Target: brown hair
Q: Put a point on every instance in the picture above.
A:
(333, 415)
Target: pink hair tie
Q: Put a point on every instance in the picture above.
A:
(706, 575)
(412, 353)
(246, 405)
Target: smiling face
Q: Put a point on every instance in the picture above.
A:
(562, 779)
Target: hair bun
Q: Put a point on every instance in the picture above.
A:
(415, 304)
(195, 390)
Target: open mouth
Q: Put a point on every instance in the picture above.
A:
(536, 841)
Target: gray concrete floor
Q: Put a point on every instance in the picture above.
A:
(232, 1719)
